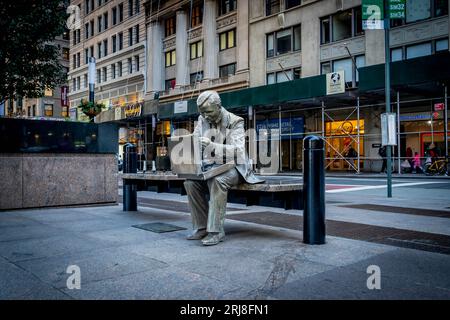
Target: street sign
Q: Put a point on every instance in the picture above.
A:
(389, 129)
(372, 14)
(397, 9)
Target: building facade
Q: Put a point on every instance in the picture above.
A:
(112, 32)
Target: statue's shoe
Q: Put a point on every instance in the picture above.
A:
(213, 238)
(198, 235)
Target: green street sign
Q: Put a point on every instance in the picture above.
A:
(372, 10)
(396, 9)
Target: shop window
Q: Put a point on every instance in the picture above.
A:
(48, 110)
(171, 58)
(170, 26)
(418, 50)
(196, 50)
(196, 77)
(284, 41)
(227, 39)
(197, 15)
(342, 25)
(227, 70)
(292, 3)
(442, 45)
(226, 6)
(272, 7)
(170, 84)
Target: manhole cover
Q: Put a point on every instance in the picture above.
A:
(159, 227)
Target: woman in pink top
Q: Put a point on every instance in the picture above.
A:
(417, 163)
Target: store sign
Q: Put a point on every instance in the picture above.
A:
(180, 107)
(290, 127)
(133, 110)
(372, 14)
(64, 93)
(439, 106)
(335, 82)
(423, 116)
(397, 9)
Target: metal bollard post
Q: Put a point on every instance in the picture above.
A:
(313, 191)
(129, 188)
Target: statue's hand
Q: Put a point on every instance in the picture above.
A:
(205, 142)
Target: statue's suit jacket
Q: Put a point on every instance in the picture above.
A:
(229, 139)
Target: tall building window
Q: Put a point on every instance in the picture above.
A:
(85, 80)
(136, 62)
(196, 50)
(114, 16)
(74, 61)
(119, 68)
(227, 39)
(227, 70)
(130, 66)
(130, 8)
(284, 41)
(130, 37)
(226, 6)
(170, 84)
(197, 15)
(105, 47)
(418, 50)
(78, 83)
(136, 34)
(99, 50)
(121, 12)
(105, 21)
(196, 77)
(272, 7)
(86, 31)
(91, 49)
(349, 67)
(78, 59)
(292, 3)
(86, 6)
(342, 25)
(91, 28)
(65, 53)
(171, 58)
(121, 41)
(283, 76)
(137, 4)
(105, 74)
(99, 76)
(113, 71)
(86, 56)
(170, 26)
(114, 43)
(99, 24)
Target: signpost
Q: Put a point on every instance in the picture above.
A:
(373, 13)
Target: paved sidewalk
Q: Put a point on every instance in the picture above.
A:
(256, 261)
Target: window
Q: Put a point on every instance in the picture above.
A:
(105, 74)
(170, 26)
(417, 10)
(272, 7)
(130, 37)
(396, 54)
(91, 28)
(345, 65)
(282, 41)
(351, 74)
(130, 66)
(114, 16)
(440, 8)
(99, 50)
(136, 33)
(342, 25)
(170, 84)
(197, 15)
(418, 50)
(226, 6)
(99, 76)
(48, 110)
(48, 93)
(86, 6)
(441, 45)
(78, 59)
(86, 56)
(92, 51)
(137, 6)
(78, 83)
(113, 71)
(120, 41)
(86, 31)
(105, 21)
(121, 12)
(136, 62)
(105, 47)
(227, 70)
(66, 35)
(114, 43)
(171, 58)
(196, 50)
(99, 24)
(74, 61)
(227, 39)
(130, 8)
(65, 53)
(85, 80)
(119, 68)
(64, 111)
(196, 77)
(292, 3)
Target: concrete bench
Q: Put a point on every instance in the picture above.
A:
(274, 192)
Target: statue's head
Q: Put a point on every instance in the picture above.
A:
(209, 105)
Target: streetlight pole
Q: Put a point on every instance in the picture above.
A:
(387, 90)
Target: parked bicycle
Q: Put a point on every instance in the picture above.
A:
(438, 167)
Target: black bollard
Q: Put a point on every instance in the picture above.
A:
(129, 187)
(313, 191)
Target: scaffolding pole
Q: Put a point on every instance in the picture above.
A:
(359, 128)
